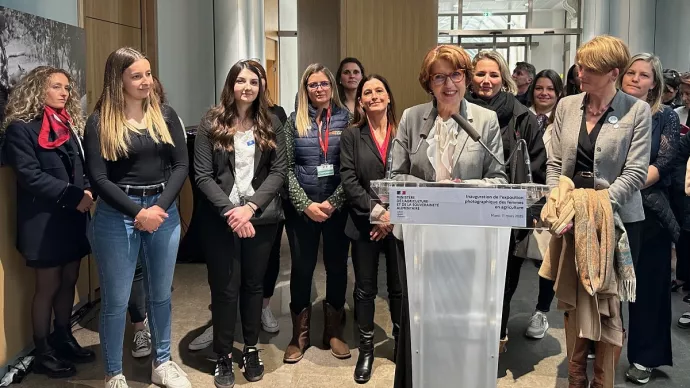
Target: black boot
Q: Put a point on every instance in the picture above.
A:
(68, 348)
(365, 361)
(48, 363)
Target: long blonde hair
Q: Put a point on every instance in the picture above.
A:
(655, 95)
(506, 76)
(302, 120)
(27, 99)
(114, 128)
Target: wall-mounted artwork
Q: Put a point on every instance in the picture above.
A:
(28, 41)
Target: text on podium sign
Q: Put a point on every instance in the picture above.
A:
(458, 206)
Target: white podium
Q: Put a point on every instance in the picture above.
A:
(456, 239)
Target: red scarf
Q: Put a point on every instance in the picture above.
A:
(57, 122)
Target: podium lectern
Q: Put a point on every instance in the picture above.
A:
(456, 239)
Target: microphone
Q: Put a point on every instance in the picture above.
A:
(389, 170)
(474, 135)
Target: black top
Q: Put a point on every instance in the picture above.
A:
(587, 142)
(360, 163)
(279, 112)
(147, 164)
(50, 185)
(215, 173)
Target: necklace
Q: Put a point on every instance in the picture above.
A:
(598, 112)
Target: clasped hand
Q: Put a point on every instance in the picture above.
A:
(238, 220)
(150, 219)
(319, 212)
(380, 231)
(86, 201)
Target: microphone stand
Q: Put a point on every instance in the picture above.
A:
(389, 169)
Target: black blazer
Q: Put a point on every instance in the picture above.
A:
(50, 185)
(215, 174)
(360, 163)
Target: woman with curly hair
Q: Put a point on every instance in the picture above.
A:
(43, 124)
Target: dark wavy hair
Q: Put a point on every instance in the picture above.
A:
(222, 118)
(571, 84)
(555, 79)
(341, 89)
(361, 118)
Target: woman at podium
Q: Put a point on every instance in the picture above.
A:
(600, 140)
(434, 148)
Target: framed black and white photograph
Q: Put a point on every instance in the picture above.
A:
(28, 41)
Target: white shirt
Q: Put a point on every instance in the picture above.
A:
(442, 140)
(244, 146)
(682, 114)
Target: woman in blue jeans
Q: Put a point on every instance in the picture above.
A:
(137, 163)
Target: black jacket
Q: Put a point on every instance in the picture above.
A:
(215, 174)
(680, 201)
(360, 163)
(524, 125)
(50, 185)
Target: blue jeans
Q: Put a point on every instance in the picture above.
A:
(116, 245)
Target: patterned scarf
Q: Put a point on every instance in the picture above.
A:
(602, 250)
(55, 129)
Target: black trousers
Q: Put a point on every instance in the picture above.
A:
(403, 360)
(365, 259)
(236, 267)
(273, 269)
(304, 235)
(649, 326)
(137, 297)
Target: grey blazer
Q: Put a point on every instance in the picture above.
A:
(621, 156)
(473, 162)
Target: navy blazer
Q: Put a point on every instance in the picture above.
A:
(50, 185)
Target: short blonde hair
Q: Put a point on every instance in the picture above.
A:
(506, 75)
(455, 55)
(655, 94)
(603, 53)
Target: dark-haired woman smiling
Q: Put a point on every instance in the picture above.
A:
(364, 151)
(240, 167)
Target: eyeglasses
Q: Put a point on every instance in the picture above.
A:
(456, 77)
(323, 84)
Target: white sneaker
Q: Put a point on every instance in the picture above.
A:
(538, 325)
(203, 341)
(268, 322)
(170, 375)
(117, 382)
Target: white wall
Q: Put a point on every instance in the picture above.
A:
(549, 53)
(634, 22)
(186, 56)
(64, 11)
(672, 38)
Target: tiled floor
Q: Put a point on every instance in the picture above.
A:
(527, 364)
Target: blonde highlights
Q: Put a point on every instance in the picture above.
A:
(506, 76)
(655, 94)
(114, 128)
(27, 99)
(602, 54)
(302, 120)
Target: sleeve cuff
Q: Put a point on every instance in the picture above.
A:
(71, 197)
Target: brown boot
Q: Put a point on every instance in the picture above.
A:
(605, 362)
(577, 348)
(300, 336)
(333, 331)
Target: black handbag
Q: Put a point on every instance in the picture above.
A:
(273, 213)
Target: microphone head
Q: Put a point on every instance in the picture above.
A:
(423, 136)
(466, 126)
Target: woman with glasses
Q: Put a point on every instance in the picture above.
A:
(316, 209)
(493, 88)
(444, 75)
(349, 74)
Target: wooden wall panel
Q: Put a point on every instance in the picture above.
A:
(318, 37)
(149, 32)
(271, 18)
(391, 37)
(126, 12)
(102, 38)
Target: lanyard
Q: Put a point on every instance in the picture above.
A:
(323, 142)
(382, 147)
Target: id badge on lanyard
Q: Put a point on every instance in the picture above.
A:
(325, 169)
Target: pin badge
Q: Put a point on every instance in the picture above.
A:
(613, 119)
